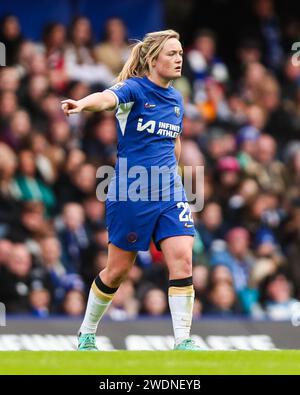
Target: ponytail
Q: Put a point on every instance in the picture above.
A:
(134, 64)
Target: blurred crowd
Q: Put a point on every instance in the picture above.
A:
(241, 123)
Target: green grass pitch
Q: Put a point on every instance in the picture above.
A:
(150, 362)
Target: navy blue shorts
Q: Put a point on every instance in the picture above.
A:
(132, 225)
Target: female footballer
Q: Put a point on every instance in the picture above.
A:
(149, 115)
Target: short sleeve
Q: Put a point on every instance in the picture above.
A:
(125, 92)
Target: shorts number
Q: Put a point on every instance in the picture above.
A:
(186, 214)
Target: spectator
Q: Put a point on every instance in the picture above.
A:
(9, 207)
(292, 155)
(16, 278)
(32, 226)
(114, 50)
(203, 63)
(211, 225)
(219, 274)
(50, 259)
(84, 181)
(269, 31)
(236, 257)
(194, 125)
(276, 298)
(246, 140)
(269, 172)
(64, 188)
(39, 300)
(256, 117)
(74, 303)
(290, 239)
(11, 36)
(221, 300)
(29, 186)
(237, 210)
(154, 302)
(263, 267)
(79, 59)
(54, 40)
(18, 130)
(227, 178)
(60, 134)
(9, 79)
(94, 213)
(266, 244)
(249, 51)
(252, 80)
(290, 86)
(48, 158)
(124, 305)
(36, 89)
(8, 106)
(200, 278)
(5, 249)
(73, 237)
(100, 143)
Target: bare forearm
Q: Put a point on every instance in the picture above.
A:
(96, 102)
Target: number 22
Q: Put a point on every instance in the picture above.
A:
(186, 214)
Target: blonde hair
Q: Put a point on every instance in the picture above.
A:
(144, 52)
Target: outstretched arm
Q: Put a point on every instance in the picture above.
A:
(99, 101)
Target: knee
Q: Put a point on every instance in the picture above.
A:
(184, 264)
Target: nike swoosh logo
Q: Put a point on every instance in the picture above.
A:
(188, 225)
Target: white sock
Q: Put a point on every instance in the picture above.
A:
(181, 302)
(98, 303)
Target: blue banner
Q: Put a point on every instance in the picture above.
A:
(140, 16)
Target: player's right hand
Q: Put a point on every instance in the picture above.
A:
(70, 106)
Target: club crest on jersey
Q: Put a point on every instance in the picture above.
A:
(177, 111)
